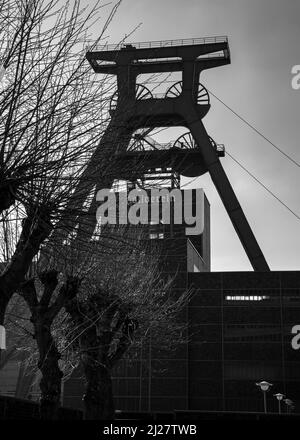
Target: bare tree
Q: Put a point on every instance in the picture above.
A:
(45, 302)
(52, 115)
(123, 300)
(92, 307)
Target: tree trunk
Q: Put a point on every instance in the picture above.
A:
(50, 384)
(4, 300)
(6, 355)
(98, 399)
(7, 198)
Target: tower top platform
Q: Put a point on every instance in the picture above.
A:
(160, 44)
(160, 56)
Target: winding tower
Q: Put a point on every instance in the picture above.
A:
(134, 109)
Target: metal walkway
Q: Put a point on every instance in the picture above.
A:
(163, 43)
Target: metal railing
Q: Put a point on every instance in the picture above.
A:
(150, 144)
(163, 43)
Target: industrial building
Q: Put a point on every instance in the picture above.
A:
(241, 325)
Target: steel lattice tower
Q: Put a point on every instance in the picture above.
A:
(184, 104)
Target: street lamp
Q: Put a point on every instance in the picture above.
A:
(264, 386)
(279, 397)
(289, 405)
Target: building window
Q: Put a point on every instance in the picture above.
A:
(156, 235)
(246, 297)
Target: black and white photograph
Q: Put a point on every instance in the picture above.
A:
(149, 215)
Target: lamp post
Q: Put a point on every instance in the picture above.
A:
(279, 397)
(264, 386)
(289, 405)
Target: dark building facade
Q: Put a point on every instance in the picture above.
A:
(243, 334)
(241, 331)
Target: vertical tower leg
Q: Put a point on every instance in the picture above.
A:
(227, 195)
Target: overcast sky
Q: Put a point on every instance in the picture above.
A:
(264, 38)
